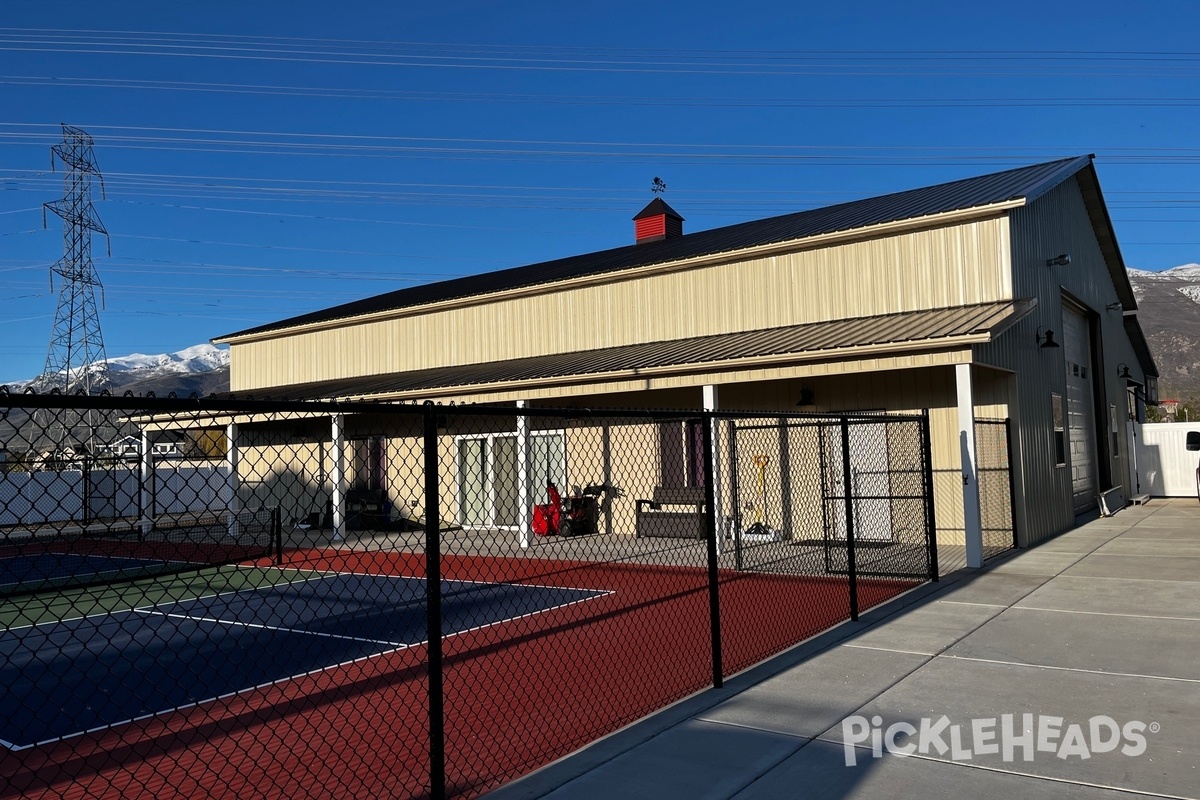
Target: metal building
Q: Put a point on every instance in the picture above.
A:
(997, 297)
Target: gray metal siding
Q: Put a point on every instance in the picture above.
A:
(1056, 223)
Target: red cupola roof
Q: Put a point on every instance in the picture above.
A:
(656, 222)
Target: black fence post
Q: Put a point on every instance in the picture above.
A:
(87, 491)
(141, 496)
(710, 535)
(736, 499)
(277, 534)
(1012, 485)
(847, 481)
(930, 523)
(433, 608)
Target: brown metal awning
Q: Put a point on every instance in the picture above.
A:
(892, 334)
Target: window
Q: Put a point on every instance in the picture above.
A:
(1060, 436)
(681, 454)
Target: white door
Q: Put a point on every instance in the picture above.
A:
(1081, 425)
(487, 476)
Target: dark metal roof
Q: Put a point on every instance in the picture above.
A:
(1023, 182)
(655, 207)
(927, 327)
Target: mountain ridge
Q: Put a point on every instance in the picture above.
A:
(201, 369)
(1169, 313)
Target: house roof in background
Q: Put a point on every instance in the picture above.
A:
(875, 335)
(1021, 183)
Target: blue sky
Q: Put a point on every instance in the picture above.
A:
(266, 159)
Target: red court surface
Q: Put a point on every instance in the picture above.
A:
(518, 693)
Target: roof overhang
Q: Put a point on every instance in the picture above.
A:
(1106, 235)
(1141, 348)
(918, 331)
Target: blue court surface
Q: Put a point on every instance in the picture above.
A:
(67, 677)
(33, 572)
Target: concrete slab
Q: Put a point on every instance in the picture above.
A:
(819, 772)
(806, 699)
(1089, 641)
(988, 588)
(693, 760)
(1036, 562)
(1185, 531)
(1075, 544)
(1167, 548)
(1136, 567)
(927, 629)
(1154, 598)
(967, 690)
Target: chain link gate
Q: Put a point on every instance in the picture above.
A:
(272, 599)
(993, 454)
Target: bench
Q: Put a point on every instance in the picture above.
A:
(674, 512)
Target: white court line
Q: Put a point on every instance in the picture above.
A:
(1143, 555)
(444, 579)
(1019, 773)
(596, 594)
(1104, 613)
(1118, 578)
(889, 650)
(276, 628)
(965, 603)
(1069, 669)
(112, 612)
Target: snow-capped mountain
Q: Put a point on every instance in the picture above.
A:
(198, 358)
(202, 368)
(1169, 313)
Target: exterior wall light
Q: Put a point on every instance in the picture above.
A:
(1059, 261)
(806, 398)
(1123, 371)
(1046, 340)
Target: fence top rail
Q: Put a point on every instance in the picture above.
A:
(222, 405)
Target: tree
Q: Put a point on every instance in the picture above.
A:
(1189, 411)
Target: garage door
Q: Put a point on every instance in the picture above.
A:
(1081, 427)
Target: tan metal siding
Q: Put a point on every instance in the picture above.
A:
(1054, 224)
(955, 265)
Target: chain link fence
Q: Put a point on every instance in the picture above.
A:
(205, 598)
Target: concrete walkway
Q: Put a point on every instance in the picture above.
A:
(1103, 621)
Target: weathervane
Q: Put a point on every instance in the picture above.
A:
(657, 186)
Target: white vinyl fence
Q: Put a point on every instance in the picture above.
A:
(1166, 468)
(35, 498)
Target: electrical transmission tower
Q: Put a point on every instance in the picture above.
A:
(75, 361)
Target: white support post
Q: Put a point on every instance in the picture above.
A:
(710, 404)
(606, 457)
(231, 465)
(337, 475)
(147, 497)
(972, 523)
(524, 510)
